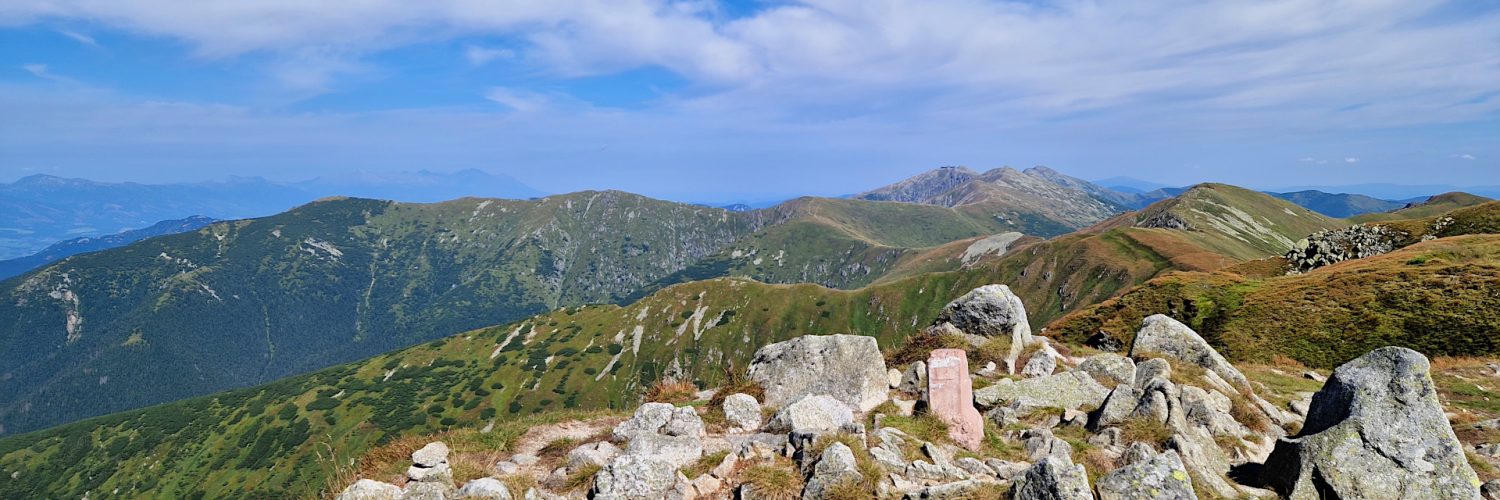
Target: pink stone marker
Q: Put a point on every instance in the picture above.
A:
(951, 396)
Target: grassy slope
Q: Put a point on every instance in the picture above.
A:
(1437, 297)
(1436, 205)
(249, 301)
(1239, 223)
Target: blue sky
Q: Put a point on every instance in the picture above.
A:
(750, 99)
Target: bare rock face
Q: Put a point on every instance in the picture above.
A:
(663, 432)
(849, 368)
(1375, 430)
(1109, 369)
(951, 396)
(1156, 476)
(991, 311)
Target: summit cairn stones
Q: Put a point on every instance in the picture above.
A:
(951, 396)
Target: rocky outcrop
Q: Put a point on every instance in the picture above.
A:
(1160, 334)
(991, 311)
(1109, 369)
(1375, 430)
(1333, 246)
(591, 454)
(848, 368)
(1156, 476)
(664, 432)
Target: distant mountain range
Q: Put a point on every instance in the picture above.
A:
(67, 248)
(40, 210)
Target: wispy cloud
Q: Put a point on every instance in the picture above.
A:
(518, 100)
(1464, 156)
(1351, 159)
(44, 72)
(79, 37)
(478, 55)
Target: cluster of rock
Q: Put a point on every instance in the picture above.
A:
(1173, 420)
(1337, 245)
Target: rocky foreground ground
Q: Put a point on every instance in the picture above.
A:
(825, 417)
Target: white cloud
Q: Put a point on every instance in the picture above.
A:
(518, 100)
(1464, 156)
(79, 37)
(1336, 63)
(44, 72)
(481, 55)
(1351, 159)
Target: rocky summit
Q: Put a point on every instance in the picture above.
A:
(1173, 420)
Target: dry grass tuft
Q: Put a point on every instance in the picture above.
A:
(774, 482)
(519, 484)
(919, 346)
(1247, 414)
(581, 479)
(676, 392)
(1287, 362)
(1146, 431)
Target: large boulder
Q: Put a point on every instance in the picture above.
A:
(1053, 479)
(369, 489)
(1068, 390)
(1375, 430)
(951, 397)
(811, 414)
(591, 454)
(1155, 476)
(849, 368)
(680, 451)
(991, 311)
(635, 477)
(1160, 334)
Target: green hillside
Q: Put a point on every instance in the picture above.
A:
(1436, 205)
(1233, 221)
(246, 302)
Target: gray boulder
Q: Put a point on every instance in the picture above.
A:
(1156, 477)
(835, 465)
(849, 368)
(1491, 489)
(429, 464)
(1375, 430)
(487, 488)
(742, 411)
(1168, 337)
(957, 490)
(1053, 479)
(1041, 364)
(1067, 390)
(1040, 444)
(1117, 407)
(679, 451)
(635, 477)
(991, 311)
(1109, 369)
(813, 413)
(369, 489)
(661, 418)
